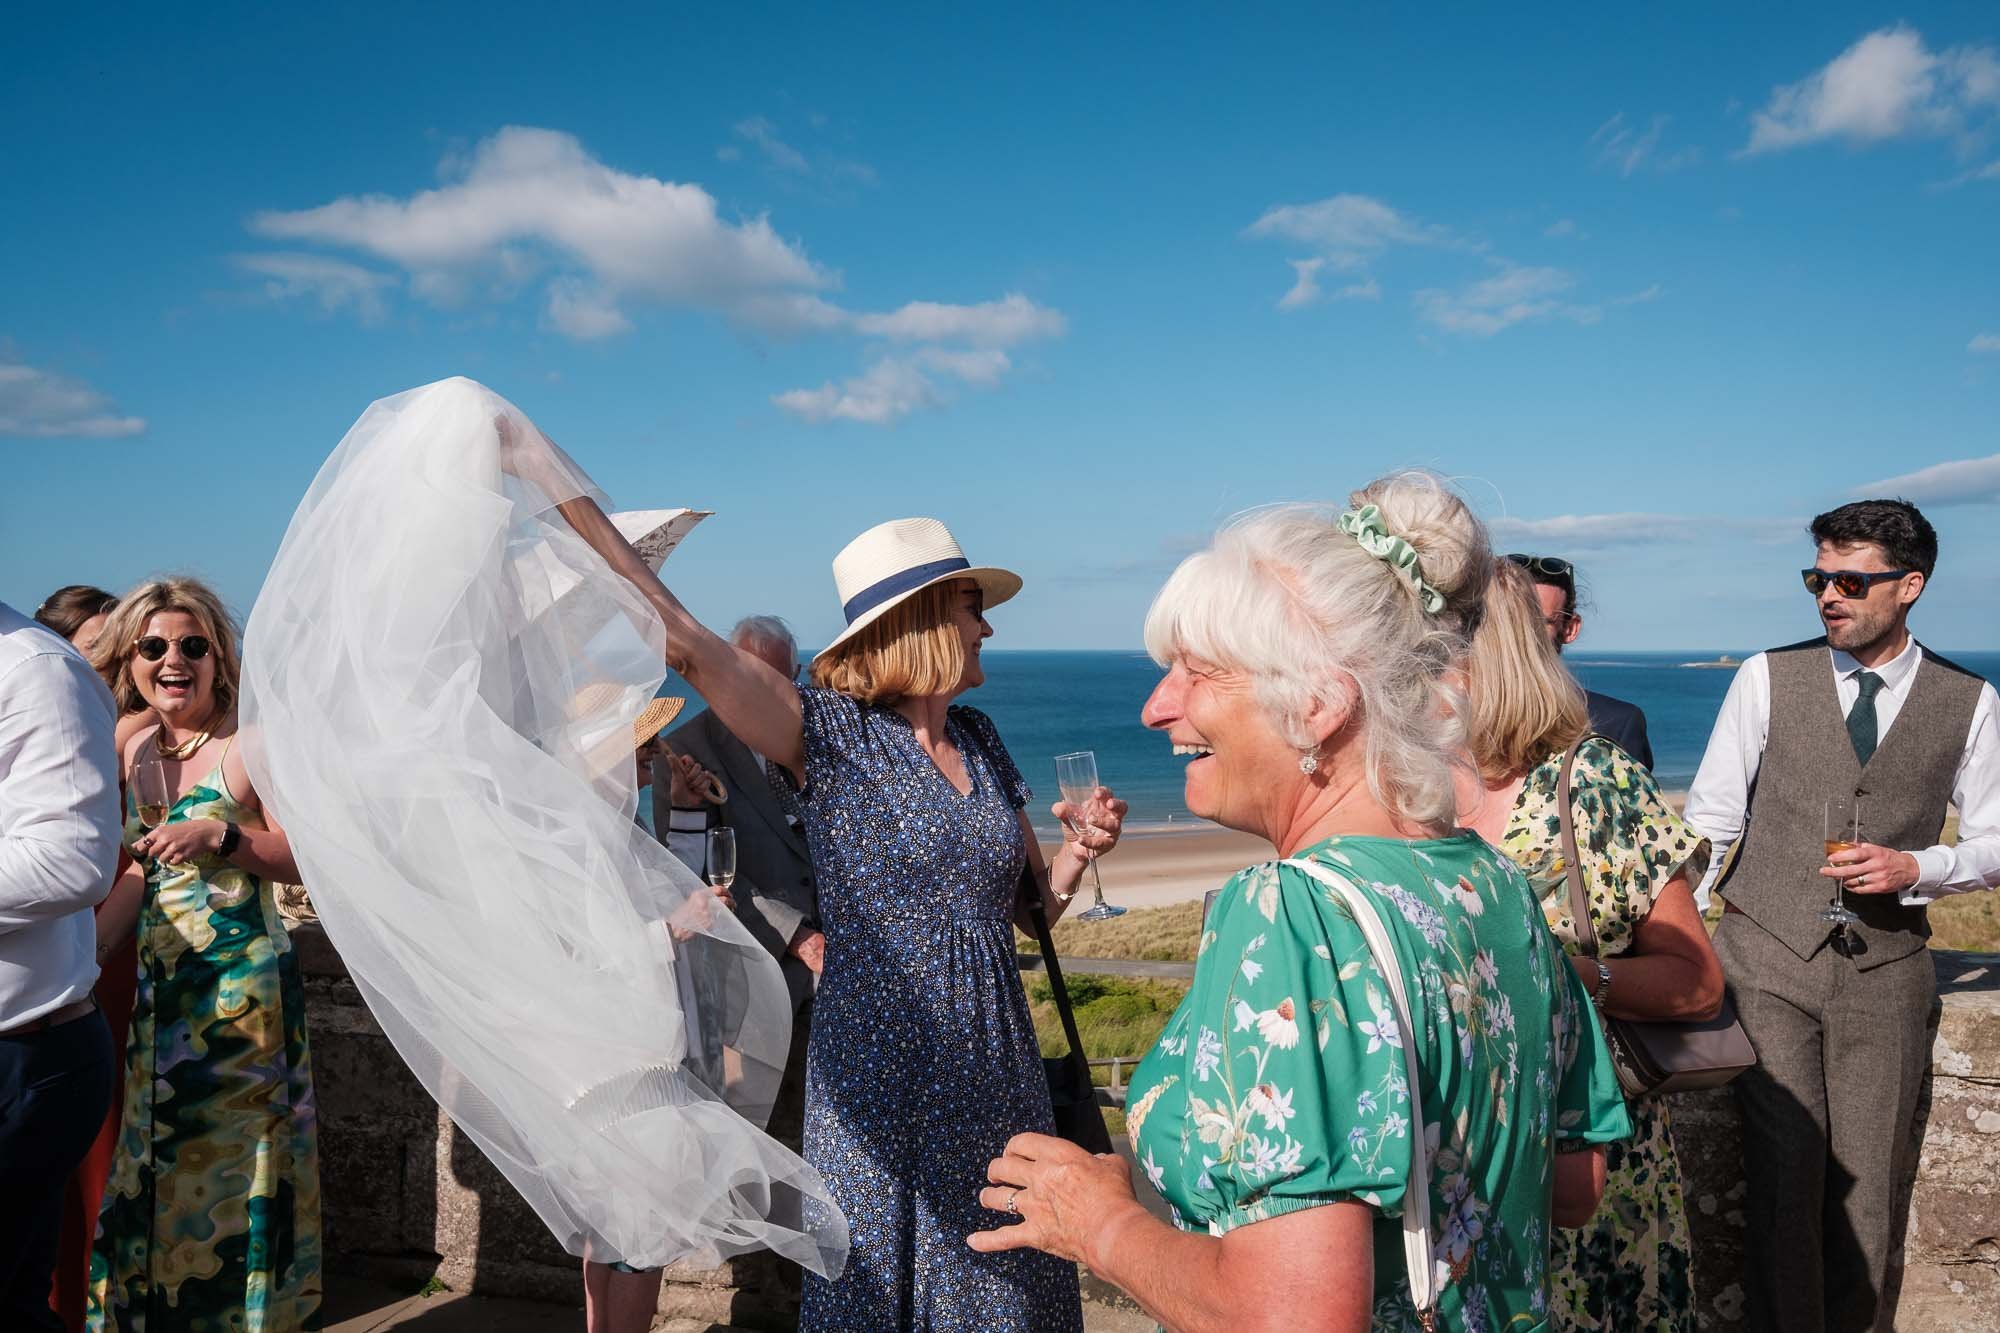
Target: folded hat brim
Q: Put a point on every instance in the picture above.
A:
(999, 585)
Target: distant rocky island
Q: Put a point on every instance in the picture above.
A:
(1720, 663)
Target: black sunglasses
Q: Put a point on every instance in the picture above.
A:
(1848, 582)
(1549, 566)
(152, 647)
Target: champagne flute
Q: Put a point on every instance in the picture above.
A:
(1843, 834)
(722, 857)
(149, 791)
(1076, 774)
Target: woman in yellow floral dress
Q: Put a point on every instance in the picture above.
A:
(210, 1220)
(1629, 1268)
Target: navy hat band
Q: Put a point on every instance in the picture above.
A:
(899, 583)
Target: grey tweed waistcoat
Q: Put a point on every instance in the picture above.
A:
(1808, 759)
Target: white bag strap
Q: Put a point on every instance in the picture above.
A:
(1418, 1251)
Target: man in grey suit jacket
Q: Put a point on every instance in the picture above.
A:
(777, 896)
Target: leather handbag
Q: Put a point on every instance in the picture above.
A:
(1652, 1056)
(1071, 1092)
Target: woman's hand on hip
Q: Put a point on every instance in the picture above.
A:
(182, 841)
(1092, 828)
(1067, 1199)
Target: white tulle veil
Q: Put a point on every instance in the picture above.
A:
(439, 684)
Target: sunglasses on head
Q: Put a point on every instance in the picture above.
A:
(152, 647)
(1548, 566)
(1848, 582)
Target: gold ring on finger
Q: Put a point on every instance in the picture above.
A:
(1013, 1206)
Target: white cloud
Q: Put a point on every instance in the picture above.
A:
(1640, 297)
(1627, 150)
(532, 210)
(759, 132)
(1584, 532)
(1989, 172)
(884, 394)
(333, 284)
(1888, 85)
(1305, 289)
(1348, 230)
(1012, 319)
(633, 238)
(42, 405)
(1963, 481)
(1984, 342)
(762, 133)
(1560, 228)
(1511, 296)
(585, 312)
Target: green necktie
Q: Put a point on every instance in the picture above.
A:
(1861, 718)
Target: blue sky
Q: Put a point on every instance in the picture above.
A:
(1655, 287)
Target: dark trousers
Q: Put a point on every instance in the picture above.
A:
(1829, 1132)
(55, 1086)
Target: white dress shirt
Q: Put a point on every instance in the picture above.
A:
(1721, 793)
(59, 825)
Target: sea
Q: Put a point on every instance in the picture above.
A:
(1046, 703)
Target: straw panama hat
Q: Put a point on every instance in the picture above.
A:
(892, 561)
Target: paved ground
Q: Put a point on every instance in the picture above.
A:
(356, 1305)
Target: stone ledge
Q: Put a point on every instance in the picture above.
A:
(405, 1197)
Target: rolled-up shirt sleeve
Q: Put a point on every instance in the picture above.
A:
(1719, 800)
(1974, 861)
(59, 824)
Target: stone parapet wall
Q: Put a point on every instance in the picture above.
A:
(406, 1197)
(1952, 1249)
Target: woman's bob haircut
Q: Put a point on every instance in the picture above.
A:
(913, 650)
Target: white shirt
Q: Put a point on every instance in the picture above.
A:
(1721, 792)
(59, 826)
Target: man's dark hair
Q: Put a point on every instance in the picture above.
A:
(1897, 526)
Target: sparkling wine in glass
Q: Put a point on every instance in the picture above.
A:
(1843, 834)
(722, 857)
(1076, 774)
(149, 791)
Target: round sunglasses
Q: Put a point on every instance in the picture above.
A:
(152, 647)
(1848, 582)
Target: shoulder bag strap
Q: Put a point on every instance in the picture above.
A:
(1579, 899)
(1038, 913)
(1419, 1254)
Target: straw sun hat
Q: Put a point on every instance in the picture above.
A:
(653, 719)
(891, 562)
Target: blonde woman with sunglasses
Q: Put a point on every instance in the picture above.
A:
(211, 1214)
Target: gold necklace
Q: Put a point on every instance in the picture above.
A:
(183, 749)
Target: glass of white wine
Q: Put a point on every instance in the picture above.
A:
(1076, 775)
(721, 857)
(149, 791)
(1843, 834)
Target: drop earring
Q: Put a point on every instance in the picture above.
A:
(1308, 762)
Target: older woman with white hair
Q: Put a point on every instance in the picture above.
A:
(1363, 1109)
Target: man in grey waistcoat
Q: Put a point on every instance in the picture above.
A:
(1841, 1012)
(777, 897)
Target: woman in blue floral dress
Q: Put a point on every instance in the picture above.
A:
(923, 1059)
(1310, 657)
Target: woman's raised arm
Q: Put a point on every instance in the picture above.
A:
(759, 706)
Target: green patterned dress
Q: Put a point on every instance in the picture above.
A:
(1278, 1085)
(1630, 1267)
(210, 1220)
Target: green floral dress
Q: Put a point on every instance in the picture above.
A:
(1629, 1268)
(210, 1220)
(1278, 1085)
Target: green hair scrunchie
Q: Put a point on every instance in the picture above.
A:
(1366, 527)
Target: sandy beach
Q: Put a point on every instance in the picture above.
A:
(1156, 867)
